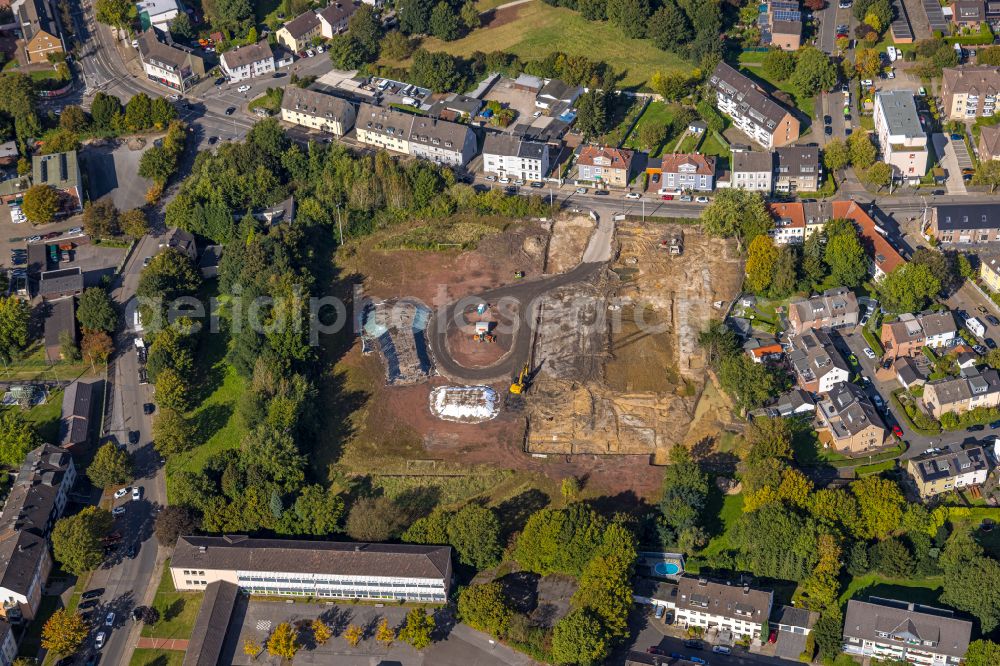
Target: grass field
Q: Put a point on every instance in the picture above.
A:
(656, 112)
(33, 365)
(920, 590)
(732, 509)
(45, 417)
(178, 610)
(148, 657)
(540, 29)
(807, 105)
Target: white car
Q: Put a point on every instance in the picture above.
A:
(243, 89)
(137, 493)
(581, 190)
(174, 97)
(122, 492)
(34, 239)
(110, 619)
(99, 641)
(867, 83)
(310, 53)
(490, 179)
(869, 353)
(504, 180)
(319, 49)
(633, 195)
(702, 199)
(891, 74)
(75, 230)
(520, 182)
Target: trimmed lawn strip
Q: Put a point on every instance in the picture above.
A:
(178, 610)
(807, 105)
(46, 417)
(920, 590)
(149, 657)
(732, 509)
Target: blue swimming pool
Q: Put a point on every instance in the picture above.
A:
(666, 568)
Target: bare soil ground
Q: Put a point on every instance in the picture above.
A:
(569, 240)
(473, 353)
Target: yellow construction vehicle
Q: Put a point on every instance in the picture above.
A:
(521, 382)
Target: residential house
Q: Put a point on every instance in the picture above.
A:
(39, 27)
(798, 169)
(604, 165)
(834, 308)
(513, 157)
(60, 283)
(59, 323)
(891, 630)
(298, 33)
(316, 569)
(528, 83)
(687, 172)
(212, 624)
(556, 93)
(901, 135)
(61, 171)
(943, 471)
(792, 403)
(817, 364)
(883, 256)
(851, 420)
(965, 223)
(208, 262)
(971, 389)
(77, 409)
(794, 625)
(36, 500)
(334, 17)
(989, 271)
(724, 606)
(780, 24)
(763, 350)
(969, 91)
(910, 333)
(968, 13)
(8, 644)
(247, 62)
(440, 141)
(316, 110)
(752, 110)
(907, 373)
(752, 171)
(180, 240)
(989, 142)
(171, 65)
(455, 107)
(282, 212)
(789, 223)
(157, 13)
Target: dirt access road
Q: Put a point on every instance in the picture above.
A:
(518, 304)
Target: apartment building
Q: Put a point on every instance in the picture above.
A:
(39, 28)
(687, 172)
(176, 67)
(8, 644)
(989, 142)
(893, 630)
(752, 110)
(989, 271)
(61, 171)
(789, 223)
(850, 420)
(709, 604)
(247, 62)
(971, 389)
(513, 157)
(817, 364)
(319, 569)
(439, 141)
(834, 308)
(912, 332)
(939, 472)
(968, 13)
(605, 165)
(882, 255)
(36, 500)
(752, 170)
(969, 91)
(965, 223)
(334, 17)
(901, 136)
(318, 111)
(298, 33)
(798, 169)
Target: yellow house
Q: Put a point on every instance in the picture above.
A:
(298, 33)
(989, 271)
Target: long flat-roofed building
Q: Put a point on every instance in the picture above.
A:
(320, 569)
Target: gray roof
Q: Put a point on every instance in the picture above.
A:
(211, 255)
(910, 327)
(34, 16)
(63, 281)
(302, 24)
(726, 599)
(326, 557)
(727, 81)
(752, 162)
(907, 625)
(900, 113)
(950, 463)
(831, 303)
(209, 633)
(788, 403)
(560, 91)
(512, 146)
(60, 170)
(971, 382)
(316, 104)
(952, 217)
(795, 617)
(74, 426)
(528, 81)
(247, 55)
(907, 371)
(974, 79)
(798, 160)
(412, 128)
(336, 12)
(181, 240)
(456, 103)
(848, 410)
(62, 317)
(168, 56)
(813, 355)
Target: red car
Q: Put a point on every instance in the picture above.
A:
(897, 431)
(667, 197)
(655, 650)
(773, 638)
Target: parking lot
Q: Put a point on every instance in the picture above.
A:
(113, 170)
(948, 159)
(522, 101)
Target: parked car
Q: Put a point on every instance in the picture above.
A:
(504, 180)
(667, 197)
(659, 611)
(601, 193)
(722, 649)
(84, 605)
(319, 49)
(118, 511)
(537, 184)
(109, 620)
(694, 645)
(137, 493)
(993, 321)
(231, 110)
(122, 492)
(212, 140)
(75, 230)
(490, 179)
(975, 428)
(897, 431)
(991, 343)
(702, 199)
(869, 353)
(92, 594)
(581, 190)
(133, 437)
(686, 197)
(633, 195)
(99, 641)
(958, 137)
(773, 638)
(34, 239)
(148, 408)
(310, 53)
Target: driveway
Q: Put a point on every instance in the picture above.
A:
(946, 155)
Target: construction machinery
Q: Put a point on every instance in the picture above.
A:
(521, 382)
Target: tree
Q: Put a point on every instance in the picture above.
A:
(374, 519)
(908, 288)
(384, 633)
(353, 635)
(814, 71)
(284, 642)
(96, 347)
(346, 52)
(73, 119)
(982, 652)
(475, 533)
(880, 507)
(470, 16)
(751, 384)
(68, 351)
(762, 255)
(579, 638)
(100, 218)
(172, 391)
(172, 433)
(174, 521)
(321, 631)
(252, 648)
(987, 173)
(170, 274)
(41, 204)
(879, 174)
(892, 558)
(868, 62)
(104, 109)
(775, 541)
(630, 16)
(414, 16)
(779, 64)
(559, 540)
(397, 46)
(444, 22)
(592, 113)
(77, 540)
(785, 278)
(846, 258)
(17, 437)
(593, 10)
(116, 13)
(61, 141)
(111, 466)
(318, 510)
(418, 628)
(14, 318)
(64, 632)
(485, 607)
(978, 594)
(570, 488)
(181, 28)
(139, 113)
(146, 614)
(96, 311)
(134, 223)
(739, 214)
(861, 149)
(685, 491)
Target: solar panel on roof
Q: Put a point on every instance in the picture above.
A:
(787, 15)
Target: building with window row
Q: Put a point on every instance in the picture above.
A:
(893, 630)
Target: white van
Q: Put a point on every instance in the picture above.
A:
(975, 327)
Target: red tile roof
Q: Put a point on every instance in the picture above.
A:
(794, 212)
(618, 157)
(672, 162)
(886, 257)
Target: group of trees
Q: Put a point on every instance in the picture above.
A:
(15, 316)
(809, 70)
(101, 219)
(443, 19)
(286, 640)
(161, 161)
(859, 152)
(77, 540)
(97, 315)
(17, 437)
(749, 384)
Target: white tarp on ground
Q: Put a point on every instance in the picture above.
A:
(465, 404)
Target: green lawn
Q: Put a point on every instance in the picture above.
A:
(178, 610)
(690, 143)
(807, 105)
(732, 509)
(34, 366)
(539, 29)
(925, 590)
(46, 417)
(656, 112)
(148, 657)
